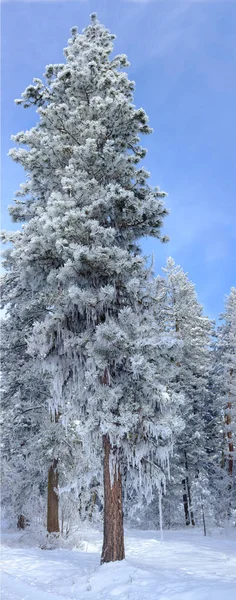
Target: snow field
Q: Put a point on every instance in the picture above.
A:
(186, 566)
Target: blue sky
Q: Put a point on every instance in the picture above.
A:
(183, 59)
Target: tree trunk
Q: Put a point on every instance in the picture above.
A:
(190, 503)
(113, 531)
(185, 503)
(92, 505)
(203, 518)
(21, 522)
(189, 491)
(228, 420)
(52, 509)
(230, 441)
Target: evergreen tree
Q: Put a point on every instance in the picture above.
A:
(224, 386)
(24, 413)
(32, 440)
(163, 348)
(85, 204)
(190, 461)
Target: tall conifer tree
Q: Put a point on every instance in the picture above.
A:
(224, 389)
(193, 330)
(84, 205)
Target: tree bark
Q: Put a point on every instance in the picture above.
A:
(52, 508)
(21, 522)
(185, 503)
(203, 518)
(189, 491)
(190, 502)
(113, 529)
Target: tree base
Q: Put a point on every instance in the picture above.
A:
(113, 538)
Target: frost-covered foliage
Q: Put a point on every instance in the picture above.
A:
(189, 465)
(24, 413)
(224, 392)
(89, 335)
(85, 204)
(157, 351)
(31, 438)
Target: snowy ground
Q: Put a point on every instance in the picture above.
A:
(186, 566)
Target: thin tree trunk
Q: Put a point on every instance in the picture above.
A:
(223, 453)
(113, 532)
(189, 492)
(52, 509)
(186, 496)
(190, 503)
(94, 495)
(185, 483)
(230, 441)
(185, 503)
(203, 518)
(228, 433)
(228, 421)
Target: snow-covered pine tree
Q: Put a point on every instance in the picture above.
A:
(214, 435)
(225, 392)
(32, 440)
(87, 202)
(189, 463)
(159, 349)
(24, 414)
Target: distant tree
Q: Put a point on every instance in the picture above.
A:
(224, 389)
(189, 465)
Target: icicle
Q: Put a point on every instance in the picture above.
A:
(140, 476)
(160, 514)
(168, 466)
